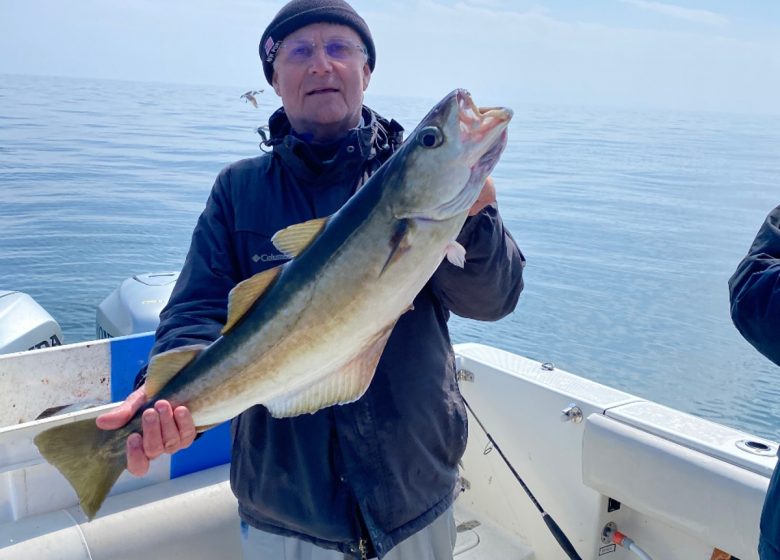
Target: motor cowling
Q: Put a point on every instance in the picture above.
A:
(25, 325)
(134, 307)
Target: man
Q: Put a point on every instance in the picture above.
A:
(377, 476)
(755, 310)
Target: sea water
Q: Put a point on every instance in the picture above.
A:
(631, 222)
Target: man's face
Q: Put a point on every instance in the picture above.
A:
(322, 93)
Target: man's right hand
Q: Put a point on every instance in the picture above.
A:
(164, 430)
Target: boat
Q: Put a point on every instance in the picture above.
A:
(617, 476)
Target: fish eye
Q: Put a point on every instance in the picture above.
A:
(430, 137)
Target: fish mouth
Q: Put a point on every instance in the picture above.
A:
(489, 158)
(480, 124)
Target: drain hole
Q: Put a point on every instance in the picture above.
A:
(757, 447)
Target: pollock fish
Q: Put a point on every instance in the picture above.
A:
(309, 333)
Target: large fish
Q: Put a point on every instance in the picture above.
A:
(309, 333)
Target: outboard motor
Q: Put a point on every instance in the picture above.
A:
(134, 307)
(25, 325)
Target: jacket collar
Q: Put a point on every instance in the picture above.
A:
(359, 146)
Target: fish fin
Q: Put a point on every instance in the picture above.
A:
(399, 243)
(292, 240)
(244, 295)
(164, 366)
(201, 429)
(340, 387)
(456, 254)
(90, 459)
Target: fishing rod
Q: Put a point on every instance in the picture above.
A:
(559, 535)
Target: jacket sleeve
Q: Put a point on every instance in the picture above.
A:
(488, 286)
(197, 308)
(755, 290)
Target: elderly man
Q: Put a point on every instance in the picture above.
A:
(378, 476)
(755, 310)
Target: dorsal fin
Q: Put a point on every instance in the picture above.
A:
(292, 240)
(163, 367)
(246, 293)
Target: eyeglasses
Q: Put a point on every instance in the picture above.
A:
(301, 51)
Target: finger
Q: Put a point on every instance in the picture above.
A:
(122, 414)
(152, 434)
(187, 431)
(137, 462)
(168, 428)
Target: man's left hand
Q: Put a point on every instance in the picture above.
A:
(487, 196)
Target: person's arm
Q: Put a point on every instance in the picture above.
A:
(754, 290)
(195, 313)
(488, 286)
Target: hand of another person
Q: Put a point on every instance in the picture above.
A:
(164, 430)
(486, 197)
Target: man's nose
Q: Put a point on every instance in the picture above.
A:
(320, 62)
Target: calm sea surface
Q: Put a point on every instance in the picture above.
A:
(632, 223)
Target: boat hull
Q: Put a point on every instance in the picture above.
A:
(679, 485)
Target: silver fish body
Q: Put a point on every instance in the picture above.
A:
(309, 333)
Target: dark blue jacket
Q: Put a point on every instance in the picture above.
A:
(755, 310)
(387, 465)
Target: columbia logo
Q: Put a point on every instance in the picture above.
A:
(269, 258)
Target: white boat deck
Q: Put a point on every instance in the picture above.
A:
(481, 539)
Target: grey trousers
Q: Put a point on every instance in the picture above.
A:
(434, 542)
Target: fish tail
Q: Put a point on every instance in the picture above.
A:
(90, 459)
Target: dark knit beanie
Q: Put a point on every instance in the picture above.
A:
(300, 13)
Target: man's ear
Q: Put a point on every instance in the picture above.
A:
(275, 84)
(366, 76)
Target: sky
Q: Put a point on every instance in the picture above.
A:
(715, 55)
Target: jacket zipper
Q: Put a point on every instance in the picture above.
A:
(363, 549)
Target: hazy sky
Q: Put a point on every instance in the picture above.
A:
(719, 55)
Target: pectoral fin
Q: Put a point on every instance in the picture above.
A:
(292, 240)
(339, 387)
(246, 293)
(163, 367)
(399, 243)
(456, 254)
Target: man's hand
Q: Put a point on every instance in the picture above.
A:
(487, 196)
(164, 430)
